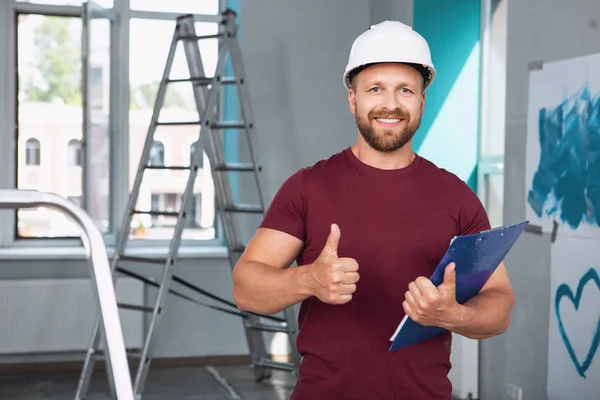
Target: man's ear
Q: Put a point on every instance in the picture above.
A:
(423, 103)
(352, 101)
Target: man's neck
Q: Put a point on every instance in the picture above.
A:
(400, 158)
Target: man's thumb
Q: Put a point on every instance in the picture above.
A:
(331, 247)
(450, 275)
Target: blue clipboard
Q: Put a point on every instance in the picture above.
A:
(476, 258)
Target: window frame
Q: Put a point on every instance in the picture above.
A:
(10, 245)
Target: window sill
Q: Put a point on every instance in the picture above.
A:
(53, 253)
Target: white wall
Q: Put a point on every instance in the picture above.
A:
(543, 30)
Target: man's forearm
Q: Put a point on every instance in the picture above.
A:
(484, 316)
(264, 289)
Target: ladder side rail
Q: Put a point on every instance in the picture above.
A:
(207, 136)
(255, 339)
(192, 54)
(87, 371)
(201, 92)
(246, 110)
(209, 140)
(214, 148)
(251, 137)
(250, 129)
(291, 319)
(144, 158)
(103, 287)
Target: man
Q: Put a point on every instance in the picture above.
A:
(367, 228)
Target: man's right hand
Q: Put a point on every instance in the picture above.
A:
(333, 279)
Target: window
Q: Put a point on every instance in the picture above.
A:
(49, 107)
(74, 153)
(32, 152)
(49, 111)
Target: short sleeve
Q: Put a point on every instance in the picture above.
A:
(286, 213)
(472, 217)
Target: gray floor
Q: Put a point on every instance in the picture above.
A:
(189, 383)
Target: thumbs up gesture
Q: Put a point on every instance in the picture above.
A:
(429, 305)
(333, 279)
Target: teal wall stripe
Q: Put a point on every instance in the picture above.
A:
(231, 110)
(449, 129)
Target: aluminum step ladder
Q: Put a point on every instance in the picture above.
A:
(207, 92)
(102, 284)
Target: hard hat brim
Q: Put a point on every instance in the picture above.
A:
(422, 68)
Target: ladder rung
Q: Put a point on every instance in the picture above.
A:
(129, 353)
(158, 213)
(205, 81)
(148, 260)
(234, 167)
(176, 123)
(228, 80)
(135, 307)
(229, 125)
(201, 37)
(285, 366)
(133, 354)
(269, 327)
(244, 208)
(168, 167)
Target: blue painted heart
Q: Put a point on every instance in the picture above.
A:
(564, 291)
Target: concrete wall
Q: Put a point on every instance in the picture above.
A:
(543, 30)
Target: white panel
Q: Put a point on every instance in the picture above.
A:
(465, 367)
(50, 315)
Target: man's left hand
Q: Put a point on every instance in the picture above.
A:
(429, 305)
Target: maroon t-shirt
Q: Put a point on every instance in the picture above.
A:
(397, 224)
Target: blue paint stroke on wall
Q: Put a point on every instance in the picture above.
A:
(564, 291)
(566, 184)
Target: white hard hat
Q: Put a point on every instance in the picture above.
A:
(390, 41)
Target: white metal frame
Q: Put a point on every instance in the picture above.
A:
(102, 281)
(487, 165)
(469, 351)
(119, 85)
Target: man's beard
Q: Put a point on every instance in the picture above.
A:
(387, 140)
